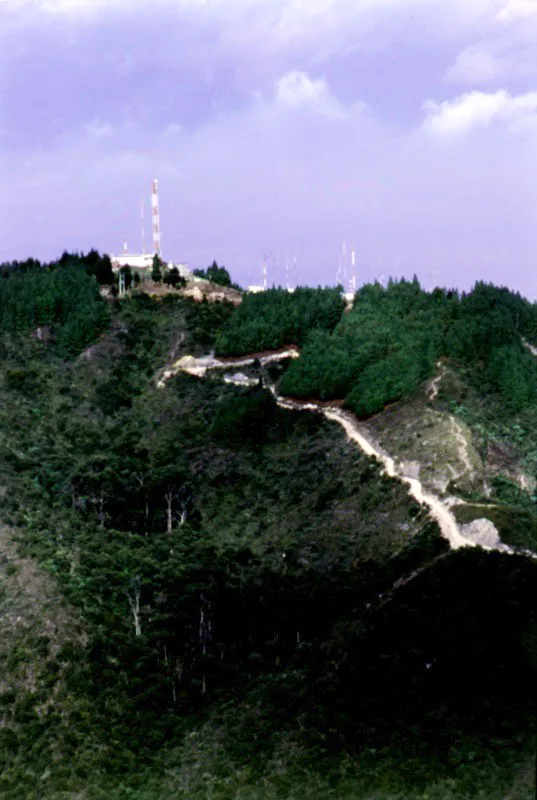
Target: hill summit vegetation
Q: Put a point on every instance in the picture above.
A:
(206, 595)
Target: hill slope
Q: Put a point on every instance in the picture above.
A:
(241, 602)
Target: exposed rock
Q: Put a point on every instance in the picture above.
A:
(411, 469)
(482, 531)
(240, 379)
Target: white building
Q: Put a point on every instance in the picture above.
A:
(133, 260)
(143, 262)
(257, 289)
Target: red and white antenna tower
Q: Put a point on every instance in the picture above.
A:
(156, 218)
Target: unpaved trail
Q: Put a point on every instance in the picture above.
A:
(530, 347)
(463, 446)
(432, 389)
(445, 519)
(199, 366)
(439, 509)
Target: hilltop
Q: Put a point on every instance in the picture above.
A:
(221, 596)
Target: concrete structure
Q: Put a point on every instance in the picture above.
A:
(257, 289)
(142, 263)
(136, 261)
(155, 217)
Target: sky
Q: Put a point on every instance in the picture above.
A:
(277, 129)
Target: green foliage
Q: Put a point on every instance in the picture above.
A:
(173, 278)
(244, 418)
(63, 299)
(127, 273)
(156, 272)
(268, 320)
(216, 274)
(262, 557)
(387, 346)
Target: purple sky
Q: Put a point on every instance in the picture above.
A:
(406, 127)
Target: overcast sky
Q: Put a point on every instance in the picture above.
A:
(405, 127)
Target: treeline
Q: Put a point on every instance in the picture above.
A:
(92, 263)
(268, 320)
(62, 297)
(389, 343)
(218, 275)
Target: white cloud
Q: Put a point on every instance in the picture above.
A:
(489, 62)
(298, 90)
(99, 129)
(479, 110)
(476, 64)
(517, 9)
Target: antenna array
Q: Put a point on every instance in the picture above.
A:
(156, 218)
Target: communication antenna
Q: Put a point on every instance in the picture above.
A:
(143, 229)
(287, 272)
(352, 281)
(264, 273)
(156, 218)
(295, 270)
(339, 271)
(125, 246)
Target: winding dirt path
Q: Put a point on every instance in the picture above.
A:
(439, 509)
(432, 389)
(463, 446)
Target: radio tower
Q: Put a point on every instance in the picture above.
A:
(352, 280)
(143, 230)
(156, 218)
(265, 273)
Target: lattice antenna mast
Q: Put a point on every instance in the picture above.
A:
(265, 273)
(344, 262)
(287, 286)
(156, 218)
(143, 227)
(125, 246)
(352, 281)
(295, 270)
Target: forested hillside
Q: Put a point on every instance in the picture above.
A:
(270, 319)
(236, 603)
(391, 340)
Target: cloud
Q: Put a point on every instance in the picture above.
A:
(489, 62)
(476, 64)
(98, 129)
(297, 90)
(517, 9)
(480, 110)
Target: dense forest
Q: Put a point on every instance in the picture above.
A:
(391, 340)
(270, 319)
(234, 573)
